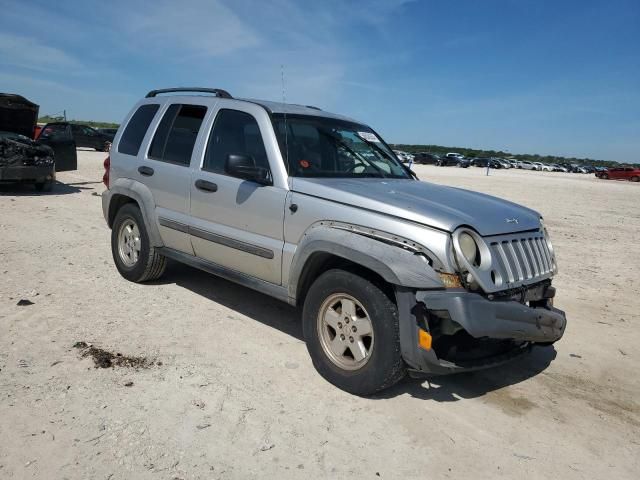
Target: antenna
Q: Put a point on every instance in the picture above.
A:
(286, 129)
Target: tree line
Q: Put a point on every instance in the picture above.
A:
(89, 123)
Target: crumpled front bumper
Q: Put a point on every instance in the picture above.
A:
(498, 319)
(480, 318)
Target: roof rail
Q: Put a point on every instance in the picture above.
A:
(218, 91)
(315, 108)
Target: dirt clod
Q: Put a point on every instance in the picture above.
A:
(24, 302)
(105, 359)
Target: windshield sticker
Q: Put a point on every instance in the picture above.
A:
(369, 137)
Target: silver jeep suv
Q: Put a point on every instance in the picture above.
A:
(393, 275)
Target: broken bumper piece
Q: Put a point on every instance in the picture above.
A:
(470, 332)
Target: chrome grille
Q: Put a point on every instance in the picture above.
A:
(523, 257)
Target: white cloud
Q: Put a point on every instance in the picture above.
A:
(202, 28)
(29, 52)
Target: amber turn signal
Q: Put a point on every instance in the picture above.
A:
(424, 339)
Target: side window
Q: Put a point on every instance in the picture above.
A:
(136, 129)
(176, 135)
(234, 132)
(60, 131)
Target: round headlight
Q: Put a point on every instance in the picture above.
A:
(469, 248)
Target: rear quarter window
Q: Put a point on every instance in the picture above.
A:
(136, 129)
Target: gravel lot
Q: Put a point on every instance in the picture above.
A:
(232, 392)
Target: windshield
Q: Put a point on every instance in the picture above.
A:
(327, 147)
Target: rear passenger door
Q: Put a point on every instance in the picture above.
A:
(237, 223)
(165, 169)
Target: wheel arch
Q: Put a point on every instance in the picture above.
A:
(124, 191)
(387, 265)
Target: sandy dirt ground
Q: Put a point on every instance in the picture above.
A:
(232, 392)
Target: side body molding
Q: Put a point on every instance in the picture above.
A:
(141, 194)
(395, 263)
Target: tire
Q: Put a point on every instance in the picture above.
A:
(135, 258)
(44, 186)
(382, 365)
(635, 179)
(605, 176)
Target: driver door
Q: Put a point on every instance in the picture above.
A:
(237, 223)
(59, 137)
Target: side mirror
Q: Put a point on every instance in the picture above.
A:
(244, 166)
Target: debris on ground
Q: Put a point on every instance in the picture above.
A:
(575, 355)
(128, 384)
(105, 359)
(24, 302)
(267, 446)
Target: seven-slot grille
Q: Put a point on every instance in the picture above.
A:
(522, 257)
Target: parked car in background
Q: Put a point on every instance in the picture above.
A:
(464, 163)
(449, 161)
(558, 168)
(484, 162)
(23, 160)
(536, 166)
(110, 133)
(503, 162)
(546, 168)
(525, 165)
(622, 173)
(83, 135)
(599, 171)
(426, 158)
(18, 117)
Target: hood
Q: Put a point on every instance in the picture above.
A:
(445, 208)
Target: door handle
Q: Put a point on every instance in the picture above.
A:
(206, 186)
(146, 171)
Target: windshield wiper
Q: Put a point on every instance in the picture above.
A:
(354, 153)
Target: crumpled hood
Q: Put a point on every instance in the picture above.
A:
(446, 208)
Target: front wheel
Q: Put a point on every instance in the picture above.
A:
(635, 179)
(351, 330)
(135, 258)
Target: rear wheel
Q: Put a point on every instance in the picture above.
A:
(605, 176)
(635, 179)
(351, 330)
(135, 258)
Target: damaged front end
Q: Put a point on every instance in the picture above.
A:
(500, 306)
(22, 160)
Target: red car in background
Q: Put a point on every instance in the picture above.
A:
(622, 173)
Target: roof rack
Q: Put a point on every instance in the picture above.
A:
(315, 108)
(217, 91)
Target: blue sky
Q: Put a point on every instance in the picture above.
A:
(527, 76)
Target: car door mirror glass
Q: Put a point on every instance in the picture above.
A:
(244, 166)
